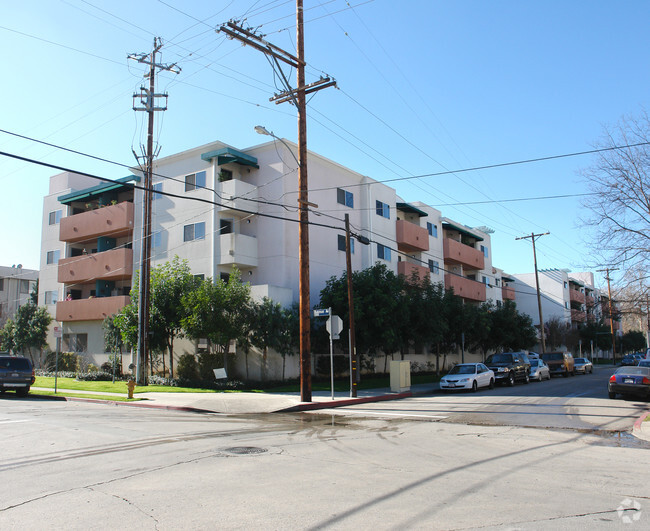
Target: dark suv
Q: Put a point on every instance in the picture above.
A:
(509, 367)
(16, 374)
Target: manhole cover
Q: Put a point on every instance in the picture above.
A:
(245, 450)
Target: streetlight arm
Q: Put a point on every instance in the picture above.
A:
(261, 130)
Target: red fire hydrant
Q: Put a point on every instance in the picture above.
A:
(130, 386)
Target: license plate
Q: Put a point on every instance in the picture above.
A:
(15, 375)
(628, 380)
(451, 385)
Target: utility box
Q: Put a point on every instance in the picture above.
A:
(400, 376)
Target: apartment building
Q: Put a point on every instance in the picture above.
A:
(16, 285)
(241, 210)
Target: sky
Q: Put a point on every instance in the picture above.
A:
(423, 87)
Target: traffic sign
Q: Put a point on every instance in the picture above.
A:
(334, 326)
(58, 331)
(324, 312)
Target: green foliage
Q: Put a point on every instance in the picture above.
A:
(341, 365)
(633, 341)
(188, 368)
(95, 376)
(67, 362)
(33, 295)
(27, 331)
(207, 362)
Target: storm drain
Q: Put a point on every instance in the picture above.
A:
(244, 450)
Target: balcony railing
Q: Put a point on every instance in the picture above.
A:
(411, 237)
(578, 316)
(116, 264)
(507, 293)
(114, 221)
(465, 287)
(407, 269)
(238, 249)
(576, 296)
(95, 309)
(459, 253)
(237, 195)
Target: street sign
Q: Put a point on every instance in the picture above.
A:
(58, 331)
(325, 312)
(334, 326)
(220, 374)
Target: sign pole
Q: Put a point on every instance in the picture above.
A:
(58, 333)
(331, 354)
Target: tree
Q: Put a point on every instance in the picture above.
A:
(218, 311)
(27, 331)
(555, 333)
(620, 207)
(633, 341)
(113, 342)
(267, 327)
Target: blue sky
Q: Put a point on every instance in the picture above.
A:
(424, 87)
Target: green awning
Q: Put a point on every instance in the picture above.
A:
(118, 185)
(226, 155)
(507, 279)
(405, 207)
(461, 229)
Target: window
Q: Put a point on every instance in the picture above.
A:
(2, 284)
(55, 217)
(566, 305)
(566, 285)
(497, 281)
(484, 250)
(225, 226)
(196, 231)
(432, 229)
(383, 252)
(24, 286)
(52, 257)
(225, 277)
(434, 267)
(157, 239)
(200, 277)
(344, 197)
(75, 342)
(51, 297)
(341, 243)
(383, 209)
(486, 281)
(225, 175)
(157, 188)
(195, 181)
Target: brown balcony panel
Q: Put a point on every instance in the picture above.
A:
(578, 316)
(411, 237)
(459, 253)
(576, 296)
(507, 293)
(95, 309)
(116, 264)
(465, 287)
(407, 269)
(113, 221)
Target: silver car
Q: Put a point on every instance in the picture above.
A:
(583, 365)
(539, 370)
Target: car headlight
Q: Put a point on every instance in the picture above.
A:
(502, 369)
(464, 380)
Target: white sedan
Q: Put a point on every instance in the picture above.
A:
(468, 376)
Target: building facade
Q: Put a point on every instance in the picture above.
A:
(16, 285)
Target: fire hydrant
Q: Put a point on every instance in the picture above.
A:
(130, 386)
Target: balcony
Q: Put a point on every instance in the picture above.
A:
(407, 269)
(459, 253)
(236, 196)
(96, 309)
(411, 237)
(465, 287)
(507, 293)
(578, 316)
(576, 296)
(114, 221)
(116, 264)
(238, 249)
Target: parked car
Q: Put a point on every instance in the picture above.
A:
(539, 370)
(468, 376)
(509, 367)
(630, 381)
(644, 363)
(628, 359)
(533, 356)
(583, 365)
(16, 374)
(559, 363)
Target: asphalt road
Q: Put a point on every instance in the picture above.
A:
(72, 465)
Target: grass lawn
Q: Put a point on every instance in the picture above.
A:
(110, 387)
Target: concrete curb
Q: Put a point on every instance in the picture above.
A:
(639, 430)
(310, 406)
(142, 404)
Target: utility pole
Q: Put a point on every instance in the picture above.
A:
(647, 313)
(147, 99)
(611, 314)
(298, 97)
(532, 237)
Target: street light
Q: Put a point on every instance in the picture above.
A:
(261, 130)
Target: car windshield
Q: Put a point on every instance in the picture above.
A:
(645, 371)
(644, 363)
(534, 362)
(19, 364)
(463, 369)
(581, 360)
(499, 358)
(553, 357)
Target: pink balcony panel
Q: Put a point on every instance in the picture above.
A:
(465, 287)
(95, 309)
(113, 221)
(459, 253)
(411, 237)
(507, 293)
(576, 296)
(116, 264)
(407, 269)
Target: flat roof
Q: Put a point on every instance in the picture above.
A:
(93, 191)
(227, 154)
(447, 224)
(405, 207)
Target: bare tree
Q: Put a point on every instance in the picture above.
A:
(619, 210)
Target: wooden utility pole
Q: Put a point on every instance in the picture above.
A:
(611, 314)
(353, 348)
(147, 99)
(532, 237)
(298, 97)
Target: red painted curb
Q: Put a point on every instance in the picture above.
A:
(637, 424)
(138, 404)
(310, 406)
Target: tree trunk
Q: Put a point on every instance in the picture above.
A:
(246, 357)
(284, 363)
(438, 361)
(171, 358)
(264, 359)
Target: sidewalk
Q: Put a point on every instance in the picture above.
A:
(252, 403)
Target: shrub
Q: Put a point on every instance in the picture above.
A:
(160, 380)
(207, 362)
(67, 362)
(95, 376)
(341, 365)
(188, 368)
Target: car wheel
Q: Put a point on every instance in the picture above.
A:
(491, 386)
(511, 380)
(22, 391)
(612, 395)
(474, 386)
(549, 376)
(566, 373)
